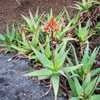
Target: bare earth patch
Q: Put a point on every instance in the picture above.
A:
(10, 10)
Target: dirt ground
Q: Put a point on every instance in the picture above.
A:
(15, 86)
(10, 10)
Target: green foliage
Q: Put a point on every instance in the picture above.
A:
(30, 38)
(98, 28)
(59, 19)
(88, 60)
(84, 90)
(85, 5)
(98, 25)
(84, 85)
(9, 38)
(84, 32)
(33, 22)
(71, 24)
(22, 47)
(53, 67)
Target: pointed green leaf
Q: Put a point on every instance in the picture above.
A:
(2, 37)
(42, 72)
(95, 97)
(78, 86)
(55, 83)
(48, 49)
(43, 59)
(87, 80)
(61, 55)
(72, 68)
(74, 98)
(95, 72)
(29, 23)
(93, 56)
(72, 86)
(91, 87)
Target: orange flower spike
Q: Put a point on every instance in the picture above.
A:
(52, 25)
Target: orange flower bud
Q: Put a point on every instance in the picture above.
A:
(52, 25)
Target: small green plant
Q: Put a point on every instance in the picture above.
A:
(84, 32)
(84, 90)
(29, 35)
(25, 44)
(85, 5)
(88, 60)
(54, 66)
(23, 47)
(11, 36)
(33, 23)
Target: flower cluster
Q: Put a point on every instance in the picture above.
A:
(52, 26)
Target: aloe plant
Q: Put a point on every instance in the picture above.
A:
(33, 22)
(10, 37)
(88, 60)
(72, 23)
(85, 5)
(53, 67)
(30, 38)
(55, 25)
(84, 90)
(25, 45)
(84, 32)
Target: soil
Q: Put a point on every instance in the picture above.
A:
(10, 10)
(15, 86)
